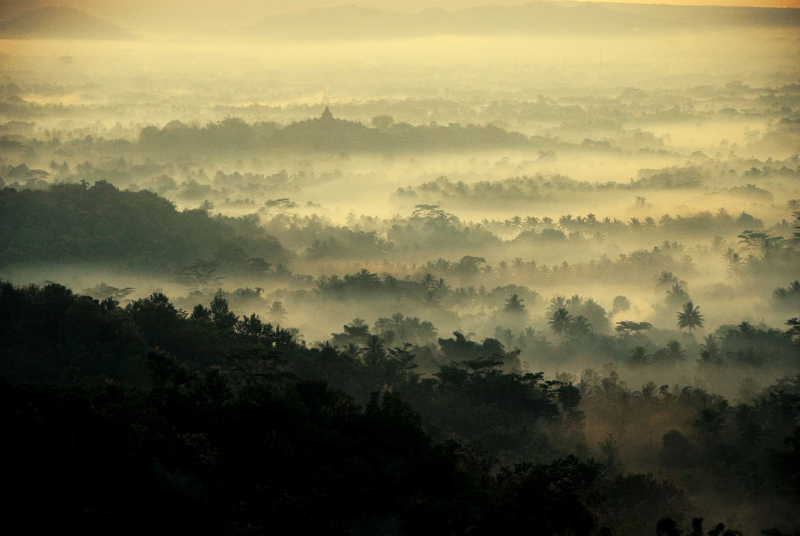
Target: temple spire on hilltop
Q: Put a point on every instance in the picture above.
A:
(327, 115)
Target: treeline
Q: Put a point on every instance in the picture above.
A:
(222, 424)
(470, 282)
(371, 237)
(69, 222)
(526, 189)
(703, 443)
(569, 327)
(233, 136)
(608, 113)
(191, 454)
(319, 238)
(758, 253)
(235, 187)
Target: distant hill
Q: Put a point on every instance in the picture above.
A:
(711, 16)
(233, 136)
(353, 22)
(76, 222)
(53, 22)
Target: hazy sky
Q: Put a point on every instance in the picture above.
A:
(162, 18)
(245, 11)
(277, 6)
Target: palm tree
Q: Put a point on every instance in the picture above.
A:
(709, 423)
(789, 292)
(461, 298)
(559, 302)
(580, 327)
(794, 328)
(431, 300)
(356, 331)
(441, 264)
(626, 327)
(574, 302)
(536, 339)
(710, 345)
(677, 294)
(690, 318)
(734, 261)
(374, 352)
(277, 313)
(397, 322)
(352, 351)
(425, 331)
(638, 357)
(504, 335)
(428, 280)
(399, 365)
(666, 279)
(560, 321)
(514, 305)
(441, 287)
(365, 279)
(671, 354)
(199, 273)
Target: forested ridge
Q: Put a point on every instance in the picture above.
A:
(215, 423)
(78, 222)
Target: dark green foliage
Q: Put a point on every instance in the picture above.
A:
(627, 327)
(642, 500)
(514, 305)
(69, 222)
(754, 345)
(550, 499)
(560, 322)
(569, 396)
(198, 458)
(222, 425)
(788, 297)
(676, 451)
(48, 333)
(178, 141)
(690, 318)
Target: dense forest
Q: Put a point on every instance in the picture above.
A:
(232, 424)
(455, 270)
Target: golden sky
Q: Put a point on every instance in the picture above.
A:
(131, 14)
(277, 6)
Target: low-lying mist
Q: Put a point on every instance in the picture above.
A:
(437, 243)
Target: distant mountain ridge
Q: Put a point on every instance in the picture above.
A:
(354, 22)
(54, 22)
(693, 16)
(27, 19)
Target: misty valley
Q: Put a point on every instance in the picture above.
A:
(488, 270)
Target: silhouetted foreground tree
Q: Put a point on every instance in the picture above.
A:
(191, 455)
(224, 425)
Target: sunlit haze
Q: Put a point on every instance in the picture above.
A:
(430, 268)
